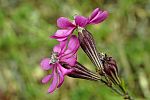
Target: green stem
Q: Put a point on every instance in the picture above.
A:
(122, 93)
(110, 86)
(128, 97)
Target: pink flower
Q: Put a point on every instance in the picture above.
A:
(67, 27)
(62, 52)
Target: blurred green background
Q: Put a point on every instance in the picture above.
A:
(25, 27)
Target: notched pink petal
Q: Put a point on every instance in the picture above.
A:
(45, 64)
(62, 34)
(70, 60)
(65, 71)
(63, 45)
(73, 47)
(67, 54)
(46, 79)
(101, 16)
(73, 43)
(63, 22)
(81, 21)
(62, 39)
(53, 86)
(61, 77)
(57, 48)
(94, 13)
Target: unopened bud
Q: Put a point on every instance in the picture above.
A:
(110, 69)
(87, 43)
(79, 71)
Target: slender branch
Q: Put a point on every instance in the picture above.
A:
(110, 86)
(125, 95)
(128, 97)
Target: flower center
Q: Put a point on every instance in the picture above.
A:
(79, 29)
(54, 58)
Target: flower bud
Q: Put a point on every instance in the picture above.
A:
(79, 71)
(110, 69)
(87, 43)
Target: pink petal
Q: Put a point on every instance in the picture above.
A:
(59, 38)
(61, 77)
(57, 48)
(101, 16)
(63, 34)
(63, 45)
(67, 54)
(73, 46)
(63, 22)
(62, 39)
(73, 43)
(54, 82)
(81, 21)
(65, 71)
(60, 48)
(94, 13)
(46, 79)
(70, 60)
(45, 64)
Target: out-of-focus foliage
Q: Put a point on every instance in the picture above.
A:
(25, 27)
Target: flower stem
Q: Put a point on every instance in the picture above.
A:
(122, 93)
(128, 97)
(110, 86)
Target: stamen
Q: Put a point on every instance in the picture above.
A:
(54, 58)
(80, 29)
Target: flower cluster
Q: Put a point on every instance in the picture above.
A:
(63, 59)
(66, 50)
